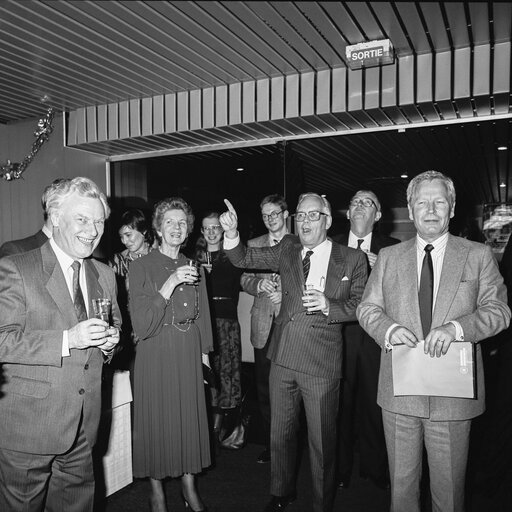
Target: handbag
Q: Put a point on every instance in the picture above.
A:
(238, 436)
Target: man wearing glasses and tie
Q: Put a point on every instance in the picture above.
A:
(361, 361)
(266, 289)
(305, 349)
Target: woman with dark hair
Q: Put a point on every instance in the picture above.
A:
(223, 281)
(137, 237)
(171, 317)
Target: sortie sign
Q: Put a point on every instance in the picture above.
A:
(373, 53)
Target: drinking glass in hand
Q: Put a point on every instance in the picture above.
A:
(102, 309)
(194, 271)
(307, 288)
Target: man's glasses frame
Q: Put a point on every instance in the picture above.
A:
(312, 216)
(366, 201)
(272, 215)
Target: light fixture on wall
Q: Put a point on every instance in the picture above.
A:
(13, 170)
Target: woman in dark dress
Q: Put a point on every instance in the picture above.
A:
(223, 281)
(170, 315)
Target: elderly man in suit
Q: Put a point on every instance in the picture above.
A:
(361, 361)
(266, 289)
(428, 293)
(326, 280)
(52, 355)
(37, 239)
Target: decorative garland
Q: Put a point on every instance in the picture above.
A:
(12, 170)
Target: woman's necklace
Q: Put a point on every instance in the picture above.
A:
(189, 321)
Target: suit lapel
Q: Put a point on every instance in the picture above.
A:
(335, 272)
(56, 284)
(454, 261)
(94, 285)
(408, 284)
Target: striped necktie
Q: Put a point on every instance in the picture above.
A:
(306, 265)
(78, 297)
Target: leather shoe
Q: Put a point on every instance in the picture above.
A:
(263, 457)
(278, 503)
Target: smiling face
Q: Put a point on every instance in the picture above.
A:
(212, 231)
(277, 224)
(430, 209)
(79, 223)
(173, 229)
(132, 239)
(312, 233)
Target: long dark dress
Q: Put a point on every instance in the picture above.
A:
(170, 435)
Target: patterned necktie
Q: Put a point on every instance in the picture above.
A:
(426, 291)
(306, 265)
(78, 301)
(359, 243)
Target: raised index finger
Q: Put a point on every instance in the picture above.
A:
(230, 206)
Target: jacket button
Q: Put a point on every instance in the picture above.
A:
(82, 391)
(86, 367)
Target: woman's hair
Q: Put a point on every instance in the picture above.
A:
(171, 203)
(82, 186)
(135, 219)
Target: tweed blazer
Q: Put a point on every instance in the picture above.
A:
(471, 291)
(44, 394)
(263, 310)
(310, 344)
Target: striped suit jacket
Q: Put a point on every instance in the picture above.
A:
(310, 344)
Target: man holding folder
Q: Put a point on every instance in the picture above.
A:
(427, 293)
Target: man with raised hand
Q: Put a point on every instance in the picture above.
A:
(322, 283)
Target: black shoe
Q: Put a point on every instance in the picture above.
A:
(278, 503)
(264, 457)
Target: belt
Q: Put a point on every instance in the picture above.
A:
(183, 322)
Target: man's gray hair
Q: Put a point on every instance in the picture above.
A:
(80, 185)
(322, 198)
(430, 176)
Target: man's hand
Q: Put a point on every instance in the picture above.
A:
(112, 339)
(229, 221)
(267, 286)
(89, 333)
(438, 340)
(315, 300)
(400, 335)
(275, 297)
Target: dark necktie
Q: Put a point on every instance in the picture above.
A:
(359, 243)
(426, 291)
(306, 265)
(78, 298)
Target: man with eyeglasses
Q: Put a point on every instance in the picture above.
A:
(266, 289)
(322, 283)
(361, 361)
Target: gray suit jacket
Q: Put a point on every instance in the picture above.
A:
(23, 245)
(310, 344)
(44, 393)
(471, 291)
(263, 310)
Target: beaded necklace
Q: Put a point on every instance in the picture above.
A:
(189, 321)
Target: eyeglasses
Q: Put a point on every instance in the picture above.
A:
(272, 215)
(366, 201)
(312, 216)
(212, 229)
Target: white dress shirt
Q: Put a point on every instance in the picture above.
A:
(365, 246)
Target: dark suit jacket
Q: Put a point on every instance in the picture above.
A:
(378, 241)
(471, 291)
(23, 245)
(45, 393)
(308, 343)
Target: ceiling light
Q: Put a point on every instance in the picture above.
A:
(404, 176)
(502, 184)
(239, 169)
(502, 148)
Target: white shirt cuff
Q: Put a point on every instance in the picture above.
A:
(387, 344)
(459, 332)
(231, 243)
(65, 345)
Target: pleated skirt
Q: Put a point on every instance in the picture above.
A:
(170, 434)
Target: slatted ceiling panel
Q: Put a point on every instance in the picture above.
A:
(457, 22)
(340, 15)
(393, 25)
(502, 16)
(368, 23)
(435, 25)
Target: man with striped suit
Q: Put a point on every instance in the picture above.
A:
(305, 349)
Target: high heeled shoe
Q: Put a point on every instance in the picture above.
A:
(189, 507)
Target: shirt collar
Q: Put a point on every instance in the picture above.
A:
(64, 259)
(47, 231)
(439, 244)
(319, 249)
